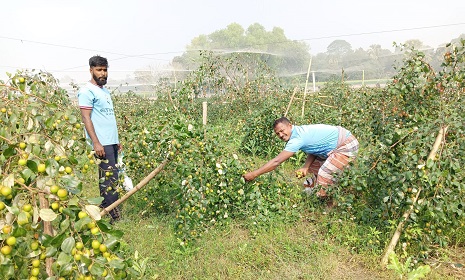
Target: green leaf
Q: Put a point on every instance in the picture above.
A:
(419, 272)
(47, 215)
(111, 242)
(68, 245)
(50, 251)
(96, 269)
(63, 259)
(81, 223)
(429, 163)
(65, 224)
(57, 240)
(116, 263)
(22, 218)
(8, 152)
(95, 200)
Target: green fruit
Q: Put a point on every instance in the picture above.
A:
(22, 162)
(34, 245)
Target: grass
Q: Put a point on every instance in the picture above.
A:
(305, 249)
(298, 251)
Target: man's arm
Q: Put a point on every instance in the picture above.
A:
(98, 148)
(269, 166)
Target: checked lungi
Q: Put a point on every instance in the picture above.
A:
(325, 169)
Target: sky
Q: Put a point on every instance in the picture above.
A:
(59, 36)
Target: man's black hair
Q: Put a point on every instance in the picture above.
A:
(98, 61)
(283, 120)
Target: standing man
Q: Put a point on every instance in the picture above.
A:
(329, 149)
(99, 120)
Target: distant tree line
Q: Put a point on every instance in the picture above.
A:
(290, 59)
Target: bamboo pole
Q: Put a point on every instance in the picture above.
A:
(440, 138)
(306, 83)
(290, 102)
(136, 188)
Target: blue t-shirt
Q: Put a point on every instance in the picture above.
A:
(314, 139)
(98, 100)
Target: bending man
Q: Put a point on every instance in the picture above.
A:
(329, 149)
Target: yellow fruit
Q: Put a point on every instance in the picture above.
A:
(95, 230)
(21, 180)
(79, 245)
(91, 225)
(11, 241)
(22, 145)
(7, 229)
(54, 189)
(96, 244)
(27, 207)
(78, 125)
(3, 110)
(2, 205)
(103, 248)
(6, 250)
(35, 271)
(57, 158)
(21, 80)
(55, 205)
(41, 168)
(22, 162)
(36, 263)
(68, 169)
(82, 214)
(6, 191)
(62, 193)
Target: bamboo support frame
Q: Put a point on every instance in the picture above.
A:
(440, 138)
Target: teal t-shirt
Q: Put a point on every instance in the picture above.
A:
(98, 100)
(314, 139)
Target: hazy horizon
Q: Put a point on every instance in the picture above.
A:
(59, 36)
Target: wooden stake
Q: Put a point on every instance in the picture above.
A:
(136, 188)
(440, 138)
(48, 229)
(290, 101)
(306, 83)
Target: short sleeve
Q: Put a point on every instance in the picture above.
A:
(85, 99)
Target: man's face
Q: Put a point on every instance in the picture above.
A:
(99, 75)
(283, 131)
